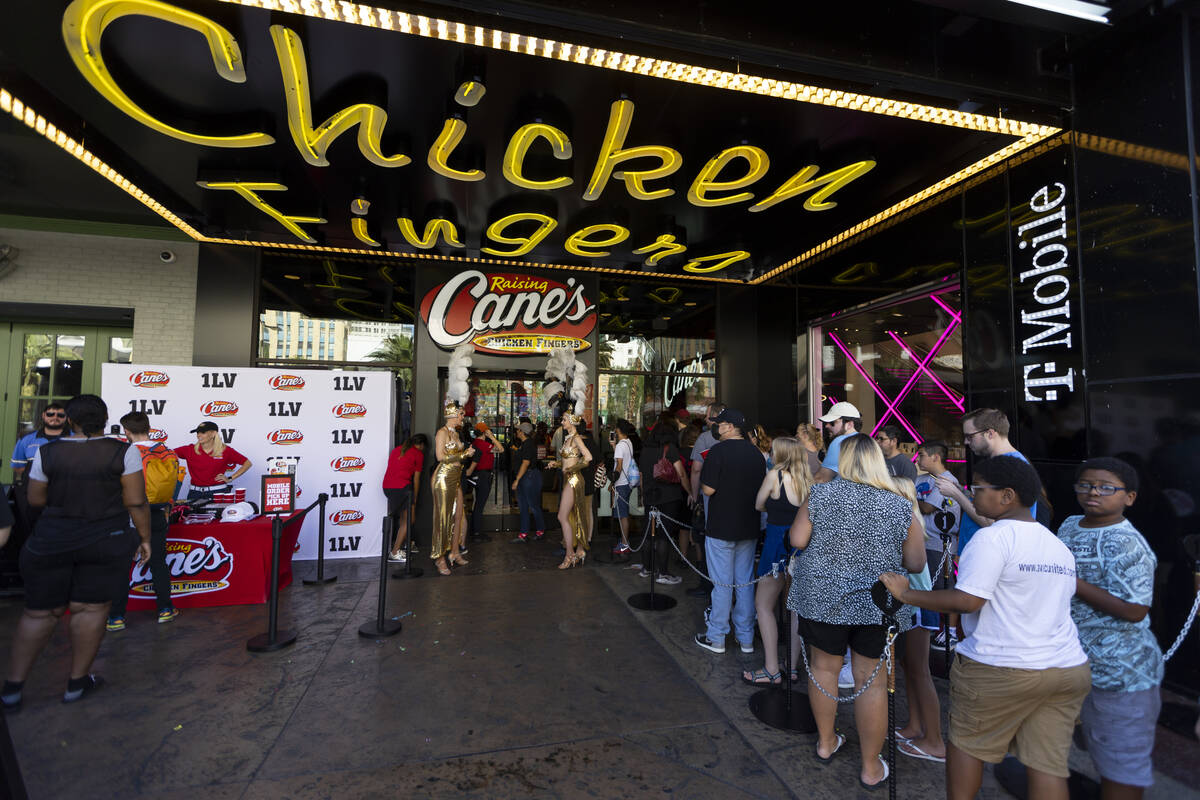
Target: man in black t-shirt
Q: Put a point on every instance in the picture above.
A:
(732, 474)
(527, 483)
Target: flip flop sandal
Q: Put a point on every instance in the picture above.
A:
(841, 740)
(871, 787)
(918, 752)
(760, 677)
(900, 737)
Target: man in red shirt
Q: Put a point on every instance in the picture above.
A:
(212, 465)
(479, 475)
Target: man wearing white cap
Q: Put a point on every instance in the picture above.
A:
(842, 422)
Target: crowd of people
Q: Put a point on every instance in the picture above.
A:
(1049, 628)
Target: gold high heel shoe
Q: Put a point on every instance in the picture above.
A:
(580, 558)
(457, 559)
(567, 562)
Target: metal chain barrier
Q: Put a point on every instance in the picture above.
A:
(1187, 626)
(776, 570)
(886, 657)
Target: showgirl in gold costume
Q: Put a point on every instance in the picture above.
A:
(449, 520)
(574, 511)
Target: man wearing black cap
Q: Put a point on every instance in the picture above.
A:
(212, 464)
(732, 474)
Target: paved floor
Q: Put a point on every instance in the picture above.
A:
(510, 679)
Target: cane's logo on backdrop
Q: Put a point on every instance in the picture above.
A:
(219, 408)
(157, 435)
(508, 313)
(195, 567)
(286, 383)
(285, 436)
(349, 410)
(348, 463)
(150, 379)
(347, 516)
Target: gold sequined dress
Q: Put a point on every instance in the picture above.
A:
(580, 517)
(445, 495)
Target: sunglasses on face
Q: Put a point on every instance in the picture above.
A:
(58, 414)
(1102, 489)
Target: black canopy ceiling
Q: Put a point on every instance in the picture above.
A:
(168, 70)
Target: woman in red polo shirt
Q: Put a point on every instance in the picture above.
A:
(212, 465)
(401, 483)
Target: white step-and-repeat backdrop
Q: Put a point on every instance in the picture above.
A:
(339, 425)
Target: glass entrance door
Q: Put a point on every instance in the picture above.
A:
(40, 364)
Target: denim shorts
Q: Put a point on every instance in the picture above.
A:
(1119, 729)
(623, 493)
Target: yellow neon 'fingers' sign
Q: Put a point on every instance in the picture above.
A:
(452, 133)
(248, 191)
(723, 260)
(313, 143)
(758, 164)
(666, 243)
(578, 241)
(496, 232)
(613, 153)
(358, 226)
(518, 147)
(433, 228)
(83, 26)
(803, 181)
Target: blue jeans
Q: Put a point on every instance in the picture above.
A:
(529, 497)
(731, 562)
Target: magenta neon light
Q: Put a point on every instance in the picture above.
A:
(921, 367)
(954, 315)
(878, 391)
(912, 381)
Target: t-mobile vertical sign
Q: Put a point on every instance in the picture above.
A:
(1046, 296)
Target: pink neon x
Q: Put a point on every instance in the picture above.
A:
(922, 366)
(891, 406)
(955, 319)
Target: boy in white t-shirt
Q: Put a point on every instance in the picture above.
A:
(1021, 675)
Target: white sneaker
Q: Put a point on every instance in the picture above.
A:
(398, 558)
(669, 580)
(846, 677)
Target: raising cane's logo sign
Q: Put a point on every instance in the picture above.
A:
(348, 463)
(219, 408)
(508, 313)
(286, 383)
(347, 516)
(349, 410)
(157, 435)
(285, 436)
(196, 568)
(149, 379)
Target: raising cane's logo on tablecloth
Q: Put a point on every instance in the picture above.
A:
(348, 463)
(150, 379)
(347, 516)
(196, 568)
(286, 383)
(157, 435)
(349, 410)
(285, 436)
(508, 313)
(219, 408)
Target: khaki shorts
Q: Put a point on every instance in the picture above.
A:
(1030, 712)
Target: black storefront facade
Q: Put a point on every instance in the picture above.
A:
(1063, 274)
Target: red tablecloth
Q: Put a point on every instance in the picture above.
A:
(219, 563)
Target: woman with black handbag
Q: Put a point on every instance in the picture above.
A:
(664, 489)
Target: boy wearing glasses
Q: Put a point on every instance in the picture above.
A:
(1115, 584)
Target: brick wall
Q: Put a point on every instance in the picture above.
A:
(113, 272)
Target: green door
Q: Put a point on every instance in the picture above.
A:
(40, 363)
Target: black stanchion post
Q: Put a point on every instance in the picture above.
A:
(649, 601)
(946, 585)
(273, 639)
(889, 605)
(409, 570)
(320, 580)
(379, 626)
(783, 708)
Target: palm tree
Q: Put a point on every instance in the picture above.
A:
(604, 353)
(397, 348)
